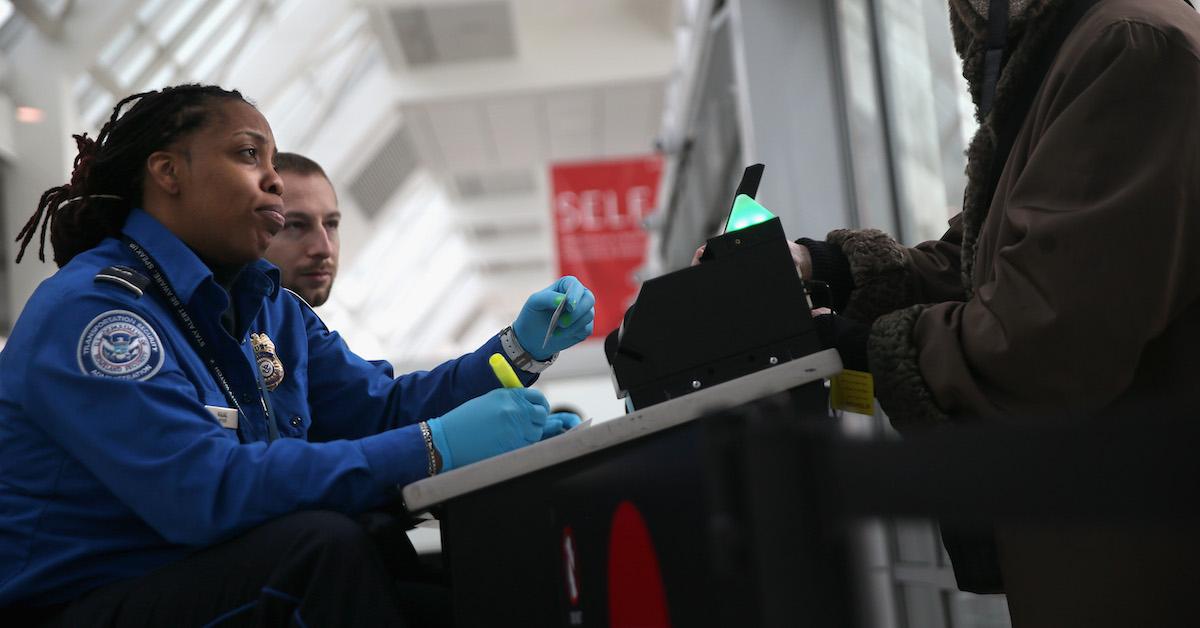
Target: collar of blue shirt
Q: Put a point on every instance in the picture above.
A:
(182, 267)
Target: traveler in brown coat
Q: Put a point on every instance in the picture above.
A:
(1074, 289)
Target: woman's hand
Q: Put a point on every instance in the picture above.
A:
(802, 259)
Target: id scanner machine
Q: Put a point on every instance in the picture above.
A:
(644, 517)
(746, 311)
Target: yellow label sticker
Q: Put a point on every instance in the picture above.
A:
(853, 391)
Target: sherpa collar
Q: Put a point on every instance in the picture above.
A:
(1015, 7)
(1029, 30)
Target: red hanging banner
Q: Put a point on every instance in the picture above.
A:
(598, 212)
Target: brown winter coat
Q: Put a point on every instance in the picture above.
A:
(1073, 290)
(1077, 284)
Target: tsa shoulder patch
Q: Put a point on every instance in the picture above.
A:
(120, 344)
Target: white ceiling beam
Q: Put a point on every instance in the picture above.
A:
(165, 53)
(269, 59)
(560, 45)
(50, 26)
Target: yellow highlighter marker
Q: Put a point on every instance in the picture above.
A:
(504, 372)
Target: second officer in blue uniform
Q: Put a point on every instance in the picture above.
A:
(182, 438)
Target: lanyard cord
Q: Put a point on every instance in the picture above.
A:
(1026, 87)
(197, 338)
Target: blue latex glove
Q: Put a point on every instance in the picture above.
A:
(494, 423)
(558, 423)
(574, 325)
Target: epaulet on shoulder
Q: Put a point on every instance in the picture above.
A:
(125, 277)
(307, 306)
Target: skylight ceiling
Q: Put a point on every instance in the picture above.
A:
(165, 43)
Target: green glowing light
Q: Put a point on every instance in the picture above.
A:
(746, 213)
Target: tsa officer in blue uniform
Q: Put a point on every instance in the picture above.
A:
(181, 440)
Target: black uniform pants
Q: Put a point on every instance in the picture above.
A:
(304, 569)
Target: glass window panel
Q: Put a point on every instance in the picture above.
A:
(923, 606)
(284, 102)
(348, 27)
(166, 75)
(388, 238)
(204, 31)
(281, 6)
(207, 64)
(921, 79)
(335, 66)
(368, 61)
(95, 112)
(916, 542)
(977, 611)
(93, 100)
(134, 61)
(865, 118)
(151, 10)
(82, 85)
(174, 19)
(296, 108)
(117, 47)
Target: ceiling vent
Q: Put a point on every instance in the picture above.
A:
(385, 172)
(513, 266)
(492, 231)
(463, 31)
(471, 185)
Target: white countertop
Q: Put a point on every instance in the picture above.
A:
(420, 495)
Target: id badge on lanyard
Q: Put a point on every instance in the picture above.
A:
(202, 348)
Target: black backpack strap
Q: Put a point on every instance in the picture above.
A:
(1010, 125)
(993, 57)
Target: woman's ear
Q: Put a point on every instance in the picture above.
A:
(162, 171)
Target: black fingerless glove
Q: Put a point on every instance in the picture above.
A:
(846, 335)
(830, 266)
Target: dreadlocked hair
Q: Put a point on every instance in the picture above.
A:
(108, 173)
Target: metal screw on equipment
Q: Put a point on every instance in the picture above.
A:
(696, 384)
(774, 360)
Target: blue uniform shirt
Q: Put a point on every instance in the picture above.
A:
(110, 463)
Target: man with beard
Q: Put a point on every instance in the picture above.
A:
(306, 250)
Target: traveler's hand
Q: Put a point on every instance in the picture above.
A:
(574, 325)
(802, 258)
(497, 422)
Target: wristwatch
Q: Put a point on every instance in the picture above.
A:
(519, 356)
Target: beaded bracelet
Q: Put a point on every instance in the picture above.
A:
(435, 463)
